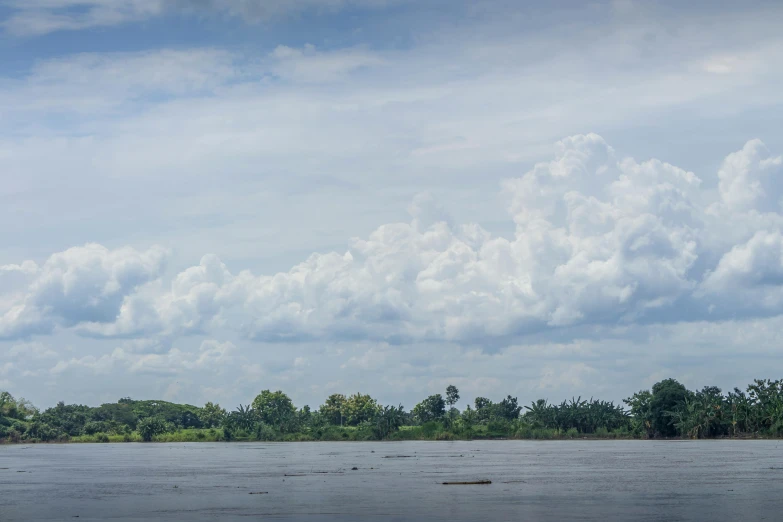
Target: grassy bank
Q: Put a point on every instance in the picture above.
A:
(431, 432)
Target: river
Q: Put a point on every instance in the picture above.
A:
(395, 481)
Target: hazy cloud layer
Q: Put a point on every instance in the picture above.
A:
(38, 17)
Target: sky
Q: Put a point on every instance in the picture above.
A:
(203, 199)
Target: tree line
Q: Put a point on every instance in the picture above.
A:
(669, 409)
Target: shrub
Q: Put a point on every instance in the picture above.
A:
(101, 437)
(41, 431)
(428, 429)
(602, 433)
(265, 432)
(498, 428)
(91, 428)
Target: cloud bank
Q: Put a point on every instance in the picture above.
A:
(599, 240)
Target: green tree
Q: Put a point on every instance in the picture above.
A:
(452, 395)
(642, 419)
(430, 409)
(359, 408)
(120, 413)
(7, 405)
(388, 420)
(483, 409)
(333, 410)
(275, 409)
(668, 396)
(148, 427)
(507, 409)
(20, 409)
(212, 415)
(243, 418)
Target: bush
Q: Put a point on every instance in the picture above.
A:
(498, 428)
(428, 429)
(41, 431)
(602, 433)
(91, 428)
(101, 437)
(265, 432)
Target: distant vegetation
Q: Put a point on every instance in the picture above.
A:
(668, 410)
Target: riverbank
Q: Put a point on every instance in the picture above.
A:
(350, 434)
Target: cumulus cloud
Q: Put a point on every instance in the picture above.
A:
(80, 285)
(599, 240)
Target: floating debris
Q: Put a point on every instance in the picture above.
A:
(258, 493)
(477, 482)
(354, 468)
(398, 457)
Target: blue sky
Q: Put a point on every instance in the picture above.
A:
(204, 199)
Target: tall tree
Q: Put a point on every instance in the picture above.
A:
(452, 395)
(333, 410)
(431, 408)
(667, 397)
(359, 408)
(275, 409)
(483, 408)
(212, 415)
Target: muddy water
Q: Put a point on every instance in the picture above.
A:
(573, 480)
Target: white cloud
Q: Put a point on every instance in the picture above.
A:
(26, 268)
(751, 179)
(308, 65)
(80, 285)
(33, 350)
(599, 240)
(38, 17)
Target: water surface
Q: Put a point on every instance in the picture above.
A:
(558, 480)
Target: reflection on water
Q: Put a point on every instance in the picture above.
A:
(562, 480)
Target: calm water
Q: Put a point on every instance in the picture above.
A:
(570, 480)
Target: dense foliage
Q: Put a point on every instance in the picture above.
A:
(669, 409)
